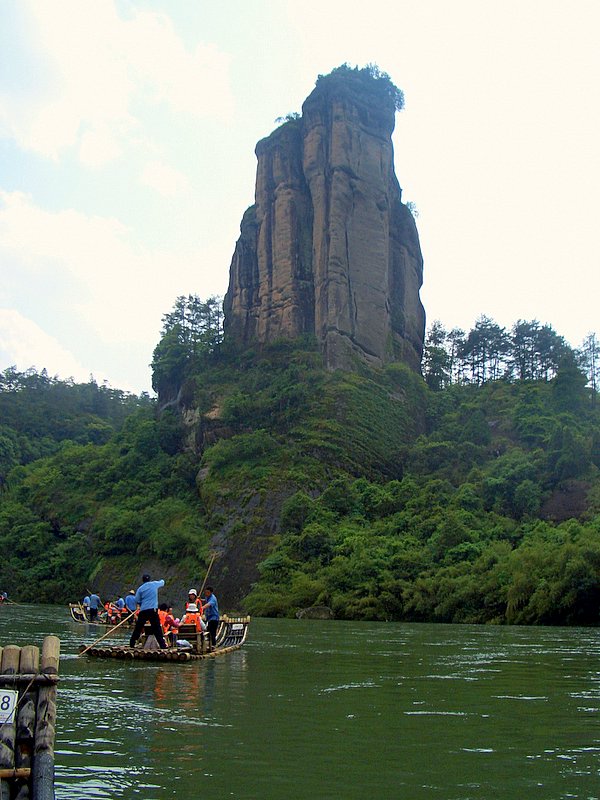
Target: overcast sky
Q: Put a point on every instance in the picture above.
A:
(127, 135)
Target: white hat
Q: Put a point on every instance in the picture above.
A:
(193, 608)
(193, 591)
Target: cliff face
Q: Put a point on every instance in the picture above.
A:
(328, 248)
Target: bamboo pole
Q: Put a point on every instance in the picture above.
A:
(22, 772)
(10, 665)
(43, 754)
(112, 630)
(29, 665)
(212, 561)
(28, 677)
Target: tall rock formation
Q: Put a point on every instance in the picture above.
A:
(329, 249)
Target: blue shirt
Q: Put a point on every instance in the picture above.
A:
(130, 602)
(120, 603)
(147, 595)
(95, 601)
(211, 608)
(86, 601)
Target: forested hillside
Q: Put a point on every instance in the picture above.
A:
(38, 412)
(472, 495)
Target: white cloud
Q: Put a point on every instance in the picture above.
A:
(113, 285)
(101, 71)
(25, 344)
(189, 82)
(99, 146)
(164, 179)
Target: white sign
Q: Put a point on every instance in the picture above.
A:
(237, 627)
(8, 705)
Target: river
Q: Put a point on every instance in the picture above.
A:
(316, 710)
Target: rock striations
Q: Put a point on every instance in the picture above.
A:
(329, 249)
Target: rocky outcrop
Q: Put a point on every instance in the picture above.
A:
(315, 612)
(329, 249)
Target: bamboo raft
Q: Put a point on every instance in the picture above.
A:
(78, 614)
(28, 704)
(231, 635)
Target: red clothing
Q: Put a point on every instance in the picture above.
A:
(167, 621)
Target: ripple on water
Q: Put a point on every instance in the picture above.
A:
(359, 685)
(438, 714)
(519, 697)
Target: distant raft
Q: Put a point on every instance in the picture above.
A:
(28, 719)
(80, 615)
(231, 635)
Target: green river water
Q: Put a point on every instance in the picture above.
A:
(318, 710)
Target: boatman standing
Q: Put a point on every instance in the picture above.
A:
(95, 605)
(147, 599)
(211, 613)
(130, 603)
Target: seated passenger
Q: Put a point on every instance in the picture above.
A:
(112, 612)
(193, 616)
(168, 622)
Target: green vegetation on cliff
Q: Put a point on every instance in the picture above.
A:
(496, 518)
(368, 79)
(470, 499)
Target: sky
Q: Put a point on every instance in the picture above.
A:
(127, 136)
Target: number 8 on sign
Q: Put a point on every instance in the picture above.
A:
(8, 705)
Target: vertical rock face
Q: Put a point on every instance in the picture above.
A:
(328, 248)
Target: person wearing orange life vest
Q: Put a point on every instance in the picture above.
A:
(168, 622)
(112, 612)
(193, 616)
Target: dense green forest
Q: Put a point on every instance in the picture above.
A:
(472, 495)
(39, 412)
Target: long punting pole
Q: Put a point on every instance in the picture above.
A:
(108, 633)
(212, 561)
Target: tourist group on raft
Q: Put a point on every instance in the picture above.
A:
(143, 607)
